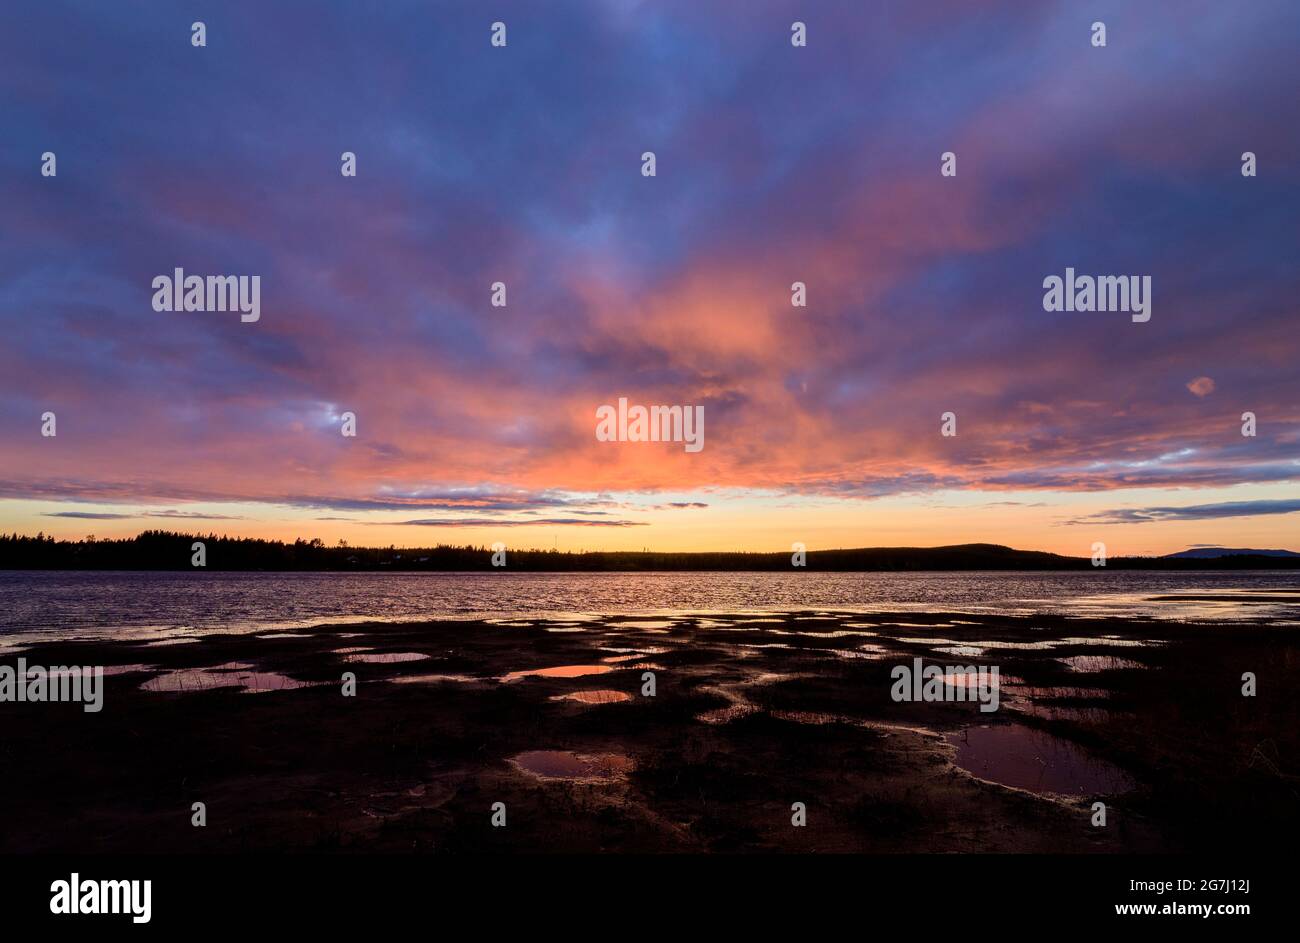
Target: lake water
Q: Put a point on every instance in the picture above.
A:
(145, 603)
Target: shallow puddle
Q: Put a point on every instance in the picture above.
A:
(1023, 646)
(648, 624)
(830, 633)
(1025, 758)
(598, 696)
(961, 651)
(560, 671)
(230, 675)
(385, 658)
(563, 764)
(972, 679)
(633, 656)
(869, 652)
(1088, 664)
(433, 679)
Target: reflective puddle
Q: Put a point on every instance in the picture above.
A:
(560, 671)
(432, 679)
(630, 654)
(829, 633)
(871, 652)
(1023, 646)
(1093, 663)
(962, 651)
(563, 764)
(230, 675)
(598, 696)
(972, 679)
(1025, 758)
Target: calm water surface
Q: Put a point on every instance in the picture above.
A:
(168, 603)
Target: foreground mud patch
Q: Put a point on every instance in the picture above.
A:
(751, 719)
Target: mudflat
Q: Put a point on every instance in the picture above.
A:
(750, 715)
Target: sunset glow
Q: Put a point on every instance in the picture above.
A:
(477, 423)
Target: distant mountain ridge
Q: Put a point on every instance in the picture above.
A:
(1214, 553)
(163, 550)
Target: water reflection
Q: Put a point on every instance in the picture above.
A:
(560, 671)
(229, 675)
(1095, 663)
(563, 764)
(1025, 758)
(433, 679)
(597, 696)
(385, 658)
(171, 603)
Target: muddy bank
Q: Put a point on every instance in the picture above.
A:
(751, 714)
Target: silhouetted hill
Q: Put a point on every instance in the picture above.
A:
(163, 550)
(1214, 553)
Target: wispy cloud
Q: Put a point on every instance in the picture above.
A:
(924, 292)
(170, 515)
(504, 522)
(1191, 512)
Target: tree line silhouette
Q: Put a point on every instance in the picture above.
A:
(166, 550)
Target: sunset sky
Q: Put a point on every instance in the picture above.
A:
(775, 164)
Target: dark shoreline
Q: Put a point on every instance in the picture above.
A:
(161, 550)
(750, 715)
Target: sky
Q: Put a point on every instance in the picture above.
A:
(774, 164)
